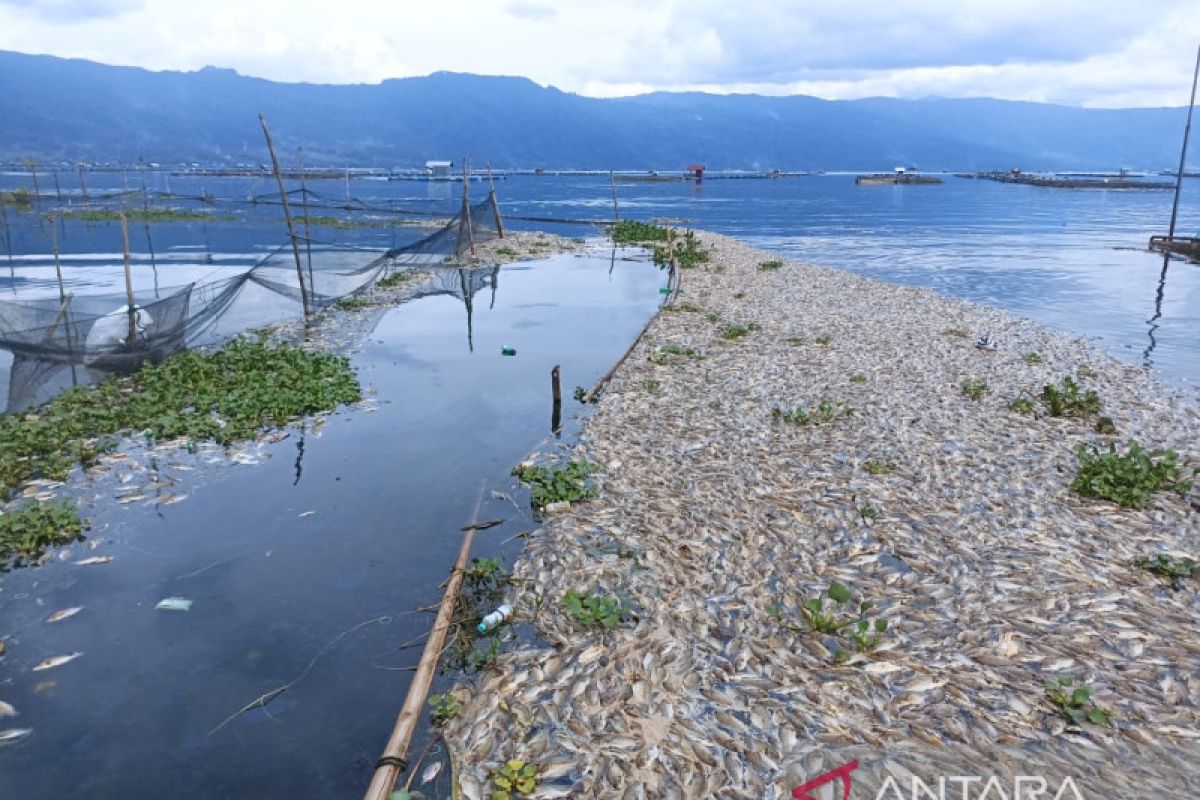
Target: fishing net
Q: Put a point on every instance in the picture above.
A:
(66, 339)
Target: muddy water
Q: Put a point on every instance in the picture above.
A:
(303, 568)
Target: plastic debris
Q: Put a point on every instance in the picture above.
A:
(174, 604)
(508, 351)
(499, 616)
(554, 508)
(986, 342)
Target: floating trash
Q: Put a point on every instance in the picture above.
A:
(56, 661)
(174, 604)
(508, 351)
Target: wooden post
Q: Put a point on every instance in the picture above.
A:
(467, 205)
(495, 203)
(131, 343)
(62, 292)
(307, 225)
(1183, 155)
(146, 224)
(31, 164)
(287, 214)
(82, 185)
(395, 754)
(57, 188)
(12, 273)
(556, 394)
(616, 209)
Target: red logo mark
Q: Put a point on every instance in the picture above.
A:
(843, 772)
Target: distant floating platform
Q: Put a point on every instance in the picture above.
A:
(1187, 246)
(1057, 182)
(895, 179)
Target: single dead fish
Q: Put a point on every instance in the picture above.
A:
(170, 499)
(7, 710)
(59, 616)
(431, 772)
(483, 526)
(13, 735)
(304, 514)
(56, 661)
(94, 560)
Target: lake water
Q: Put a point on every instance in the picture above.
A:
(321, 599)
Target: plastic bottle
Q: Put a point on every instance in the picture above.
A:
(494, 619)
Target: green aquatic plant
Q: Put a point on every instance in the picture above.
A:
(688, 307)
(481, 658)
(1084, 371)
(581, 394)
(632, 231)
(739, 295)
(1075, 702)
(445, 708)
(974, 388)
(1033, 358)
(1167, 566)
(1067, 399)
(142, 215)
(225, 395)
(395, 279)
(1128, 479)
(825, 411)
(858, 377)
(484, 571)
(652, 385)
(1106, 426)
(711, 317)
(877, 466)
(867, 511)
(794, 340)
(732, 332)
(567, 483)
(832, 618)
(767, 266)
(668, 351)
(824, 340)
(593, 610)
(957, 333)
(1021, 405)
(26, 532)
(514, 778)
(19, 197)
(354, 303)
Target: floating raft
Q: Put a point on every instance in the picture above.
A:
(1054, 182)
(883, 179)
(1188, 246)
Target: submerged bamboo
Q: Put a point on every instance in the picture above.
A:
(394, 759)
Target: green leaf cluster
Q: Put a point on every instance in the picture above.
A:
(591, 610)
(26, 532)
(825, 411)
(1128, 478)
(767, 266)
(1068, 399)
(732, 332)
(974, 388)
(834, 617)
(632, 231)
(1075, 702)
(445, 708)
(514, 778)
(557, 484)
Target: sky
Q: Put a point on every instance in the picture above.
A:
(1092, 53)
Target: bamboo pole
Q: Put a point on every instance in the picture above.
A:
(287, 214)
(62, 292)
(1183, 155)
(307, 226)
(31, 164)
(12, 272)
(467, 205)
(394, 759)
(57, 188)
(131, 307)
(146, 225)
(82, 185)
(556, 395)
(495, 202)
(616, 209)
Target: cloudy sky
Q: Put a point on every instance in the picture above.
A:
(1077, 52)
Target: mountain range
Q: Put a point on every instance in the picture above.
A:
(74, 110)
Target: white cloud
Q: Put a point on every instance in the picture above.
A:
(1070, 51)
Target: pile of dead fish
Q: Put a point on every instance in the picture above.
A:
(715, 521)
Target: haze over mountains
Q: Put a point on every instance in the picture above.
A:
(60, 109)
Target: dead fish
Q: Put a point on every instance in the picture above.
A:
(304, 514)
(170, 499)
(431, 772)
(56, 661)
(13, 735)
(59, 616)
(7, 710)
(132, 498)
(44, 686)
(94, 560)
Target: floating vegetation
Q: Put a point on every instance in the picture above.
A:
(794, 340)
(739, 295)
(974, 388)
(445, 707)
(143, 215)
(711, 317)
(1075, 702)
(354, 303)
(581, 394)
(26, 532)
(877, 466)
(687, 253)
(666, 352)
(652, 385)
(1069, 400)
(1128, 478)
(834, 617)
(825, 411)
(1021, 405)
(1167, 566)
(767, 266)
(20, 197)
(481, 658)
(632, 231)
(395, 279)
(688, 307)
(1106, 426)
(867, 512)
(732, 332)
(514, 778)
(225, 395)
(957, 333)
(1033, 358)
(824, 340)
(593, 610)
(858, 377)
(549, 485)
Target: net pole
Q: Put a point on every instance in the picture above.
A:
(307, 228)
(1183, 155)
(62, 292)
(495, 202)
(616, 209)
(82, 185)
(287, 214)
(12, 272)
(128, 284)
(467, 206)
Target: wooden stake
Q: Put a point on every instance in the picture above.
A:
(31, 163)
(287, 214)
(62, 292)
(82, 185)
(57, 189)
(616, 209)
(467, 206)
(556, 393)
(307, 227)
(12, 273)
(394, 759)
(1183, 155)
(131, 343)
(495, 203)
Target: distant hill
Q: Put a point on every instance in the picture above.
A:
(55, 108)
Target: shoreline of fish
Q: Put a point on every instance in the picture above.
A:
(992, 574)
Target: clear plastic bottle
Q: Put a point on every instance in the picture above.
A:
(496, 618)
